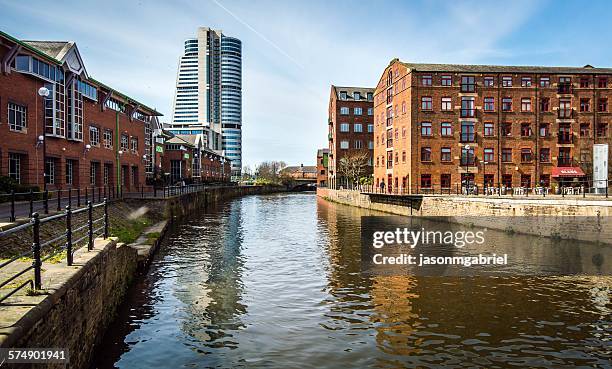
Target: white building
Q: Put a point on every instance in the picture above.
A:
(208, 97)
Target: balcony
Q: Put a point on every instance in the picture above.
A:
(565, 138)
(468, 113)
(468, 161)
(330, 136)
(565, 162)
(467, 137)
(468, 87)
(564, 88)
(565, 113)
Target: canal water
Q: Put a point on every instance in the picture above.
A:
(275, 281)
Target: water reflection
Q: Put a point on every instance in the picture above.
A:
(275, 281)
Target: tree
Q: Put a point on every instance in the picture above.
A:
(268, 171)
(354, 165)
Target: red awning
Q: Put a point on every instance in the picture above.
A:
(567, 172)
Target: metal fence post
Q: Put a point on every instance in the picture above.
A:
(86, 195)
(70, 196)
(99, 194)
(90, 225)
(12, 218)
(154, 191)
(31, 203)
(68, 235)
(105, 218)
(142, 191)
(36, 263)
(46, 201)
(79, 197)
(59, 199)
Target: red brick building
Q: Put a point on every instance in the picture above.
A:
(322, 164)
(443, 126)
(187, 159)
(350, 127)
(83, 134)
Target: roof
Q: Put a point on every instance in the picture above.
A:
(179, 141)
(477, 68)
(299, 168)
(55, 49)
(363, 91)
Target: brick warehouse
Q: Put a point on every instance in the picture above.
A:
(443, 126)
(93, 134)
(350, 127)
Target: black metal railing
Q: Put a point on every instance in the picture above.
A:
(89, 230)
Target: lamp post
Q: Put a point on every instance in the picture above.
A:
(467, 164)
(43, 92)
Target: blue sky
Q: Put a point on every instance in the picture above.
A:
(294, 50)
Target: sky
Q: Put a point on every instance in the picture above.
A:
(293, 51)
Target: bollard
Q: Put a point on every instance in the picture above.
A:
(36, 263)
(68, 235)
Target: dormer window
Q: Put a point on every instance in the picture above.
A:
(356, 96)
(342, 95)
(370, 96)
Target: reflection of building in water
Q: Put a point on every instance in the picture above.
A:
(394, 316)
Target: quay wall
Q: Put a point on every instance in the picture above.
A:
(585, 220)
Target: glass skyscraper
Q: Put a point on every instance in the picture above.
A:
(208, 97)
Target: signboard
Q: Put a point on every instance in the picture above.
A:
(186, 156)
(600, 167)
(159, 149)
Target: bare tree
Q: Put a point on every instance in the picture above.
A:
(268, 171)
(353, 166)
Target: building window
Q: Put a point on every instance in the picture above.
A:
(603, 105)
(565, 85)
(467, 156)
(544, 82)
(426, 103)
(526, 155)
(489, 104)
(584, 82)
(108, 139)
(426, 80)
(446, 129)
(602, 82)
(344, 110)
(92, 173)
(506, 155)
(403, 132)
(584, 129)
(370, 111)
(585, 104)
(468, 83)
(356, 96)
(403, 156)
(15, 166)
(446, 81)
(602, 130)
(507, 81)
(134, 142)
(75, 108)
(489, 155)
(371, 145)
(467, 131)
(446, 104)
(94, 136)
(489, 129)
(370, 128)
(545, 104)
(124, 142)
(526, 82)
(425, 153)
(467, 107)
(344, 127)
(506, 129)
(545, 155)
(585, 155)
(525, 130)
(403, 107)
(344, 144)
(425, 180)
(69, 171)
(507, 180)
(445, 154)
(358, 111)
(358, 144)
(507, 104)
(358, 127)
(50, 170)
(426, 129)
(342, 95)
(370, 96)
(526, 104)
(17, 117)
(106, 174)
(544, 130)
(445, 180)
(489, 82)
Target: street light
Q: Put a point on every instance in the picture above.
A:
(43, 92)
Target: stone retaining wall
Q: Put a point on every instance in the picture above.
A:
(587, 220)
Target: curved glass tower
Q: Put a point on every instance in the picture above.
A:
(208, 97)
